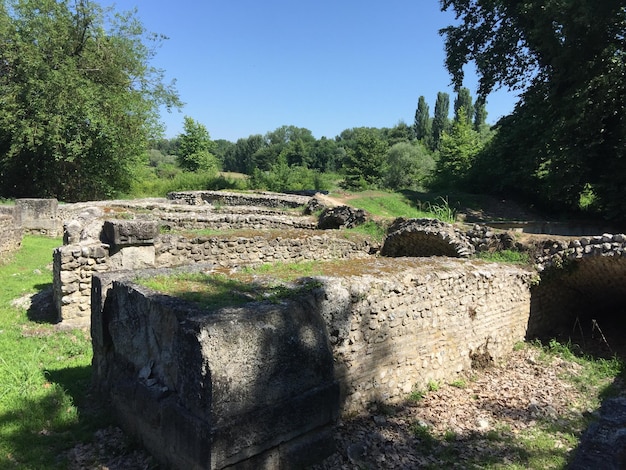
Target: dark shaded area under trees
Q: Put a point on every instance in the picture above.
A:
(564, 144)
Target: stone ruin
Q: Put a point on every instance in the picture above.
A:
(260, 385)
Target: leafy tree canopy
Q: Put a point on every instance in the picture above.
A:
(78, 97)
(568, 57)
(195, 147)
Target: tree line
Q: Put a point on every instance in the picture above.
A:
(426, 153)
(79, 106)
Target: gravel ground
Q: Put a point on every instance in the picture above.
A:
(460, 420)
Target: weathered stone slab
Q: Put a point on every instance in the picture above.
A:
(38, 216)
(250, 380)
(341, 217)
(121, 233)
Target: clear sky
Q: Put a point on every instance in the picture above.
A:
(247, 67)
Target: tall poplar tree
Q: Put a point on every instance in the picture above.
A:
(441, 121)
(463, 101)
(423, 124)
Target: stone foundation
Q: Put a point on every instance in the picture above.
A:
(75, 264)
(38, 216)
(248, 385)
(10, 236)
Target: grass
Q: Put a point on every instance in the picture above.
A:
(373, 230)
(391, 205)
(505, 256)
(44, 372)
(254, 284)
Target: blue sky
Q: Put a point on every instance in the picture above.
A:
(246, 67)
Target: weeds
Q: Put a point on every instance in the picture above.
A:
(441, 211)
(505, 256)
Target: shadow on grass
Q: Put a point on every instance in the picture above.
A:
(42, 309)
(39, 431)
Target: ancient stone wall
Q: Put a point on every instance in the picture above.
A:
(74, 264)
(10, 235)
(263, 199)
(208, 389)
(38, 216)
(175, 250)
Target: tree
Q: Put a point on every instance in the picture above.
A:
(568, 58)
(408, 166)
(423, 124)
(440, 120)
(457, 150)
(480, 115)
(365, 159)
(79, 98)
(463, 102)
(401, 132)
(241, 157)
(326, 155)
(195, 147)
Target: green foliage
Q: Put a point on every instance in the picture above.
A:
(440, 122)
(567, 133)
(463, 106)
(365, 159)
(195, 148)
(459, 383)
(408, 166)
(505, 256)
(241, 156)
(79, 99)
(423, 123)
(441, 211)
(433, 386)
(283, 177)
(458, 149)
(158, 182)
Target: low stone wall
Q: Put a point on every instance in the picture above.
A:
(235, 221)
(256, 385)
(263, 199)
(10, 236)
(177, 250)
(74, 264)
(38, 216)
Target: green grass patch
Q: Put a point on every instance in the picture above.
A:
(217, 290)
(392, 205)
(505, 256)
(45, 373)
(372, 230)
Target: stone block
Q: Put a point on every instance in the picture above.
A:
(121, 233)
(38, 216)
